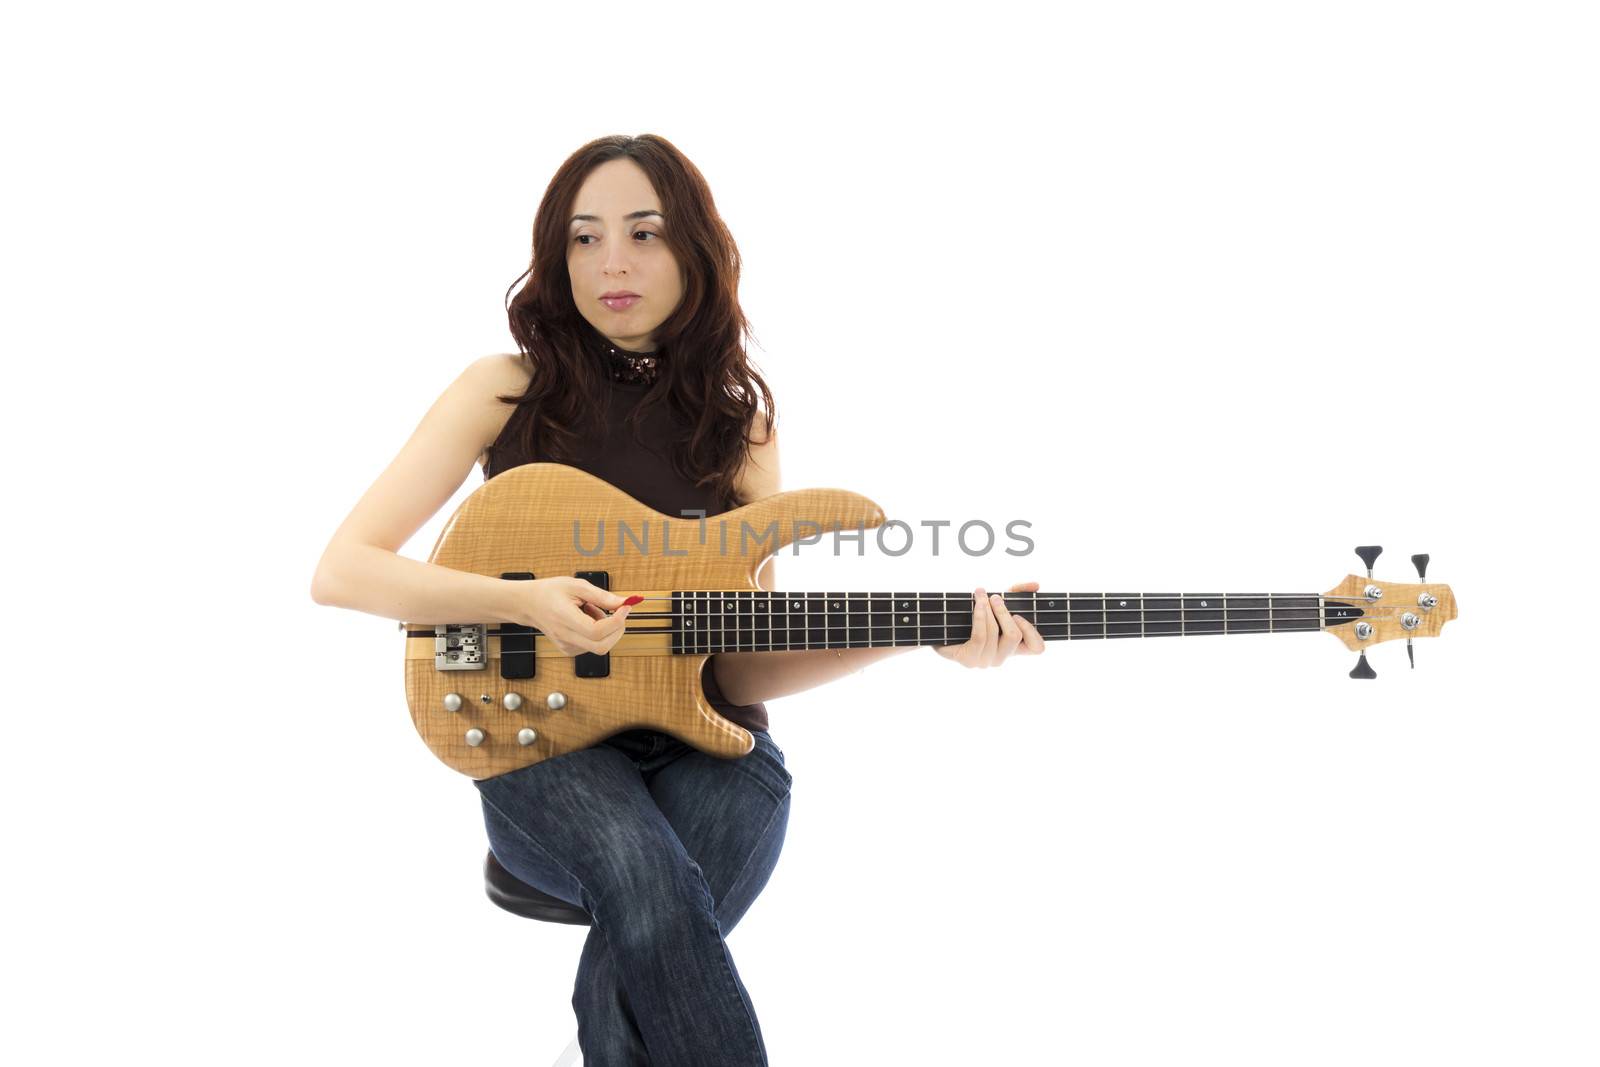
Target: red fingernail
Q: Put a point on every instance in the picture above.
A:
(632, 600)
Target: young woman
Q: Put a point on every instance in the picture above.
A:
(631, 366)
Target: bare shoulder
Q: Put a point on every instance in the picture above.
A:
(502, 374)
(760, 477)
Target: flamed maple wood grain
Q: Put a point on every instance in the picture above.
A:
(1385, 612)
(522, 520)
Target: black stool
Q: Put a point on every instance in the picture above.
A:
(520, 898)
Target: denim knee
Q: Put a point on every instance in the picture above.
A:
(646, 914)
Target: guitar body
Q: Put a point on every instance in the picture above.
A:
(551, 520)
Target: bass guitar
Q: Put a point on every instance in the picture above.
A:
(488, 698)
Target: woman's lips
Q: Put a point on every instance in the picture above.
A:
(619, 303)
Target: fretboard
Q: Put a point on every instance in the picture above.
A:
(710, 622)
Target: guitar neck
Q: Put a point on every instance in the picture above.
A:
(718, 621)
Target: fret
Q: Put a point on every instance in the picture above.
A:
(1120, 611)
(780, 621)
(860, 609)
(1203, 613)
(703, 622)
(883, 634)
(903, 622)
(1245, 613)
(707, 624)
(761, 624)
(688, 627)
(1296, 614)
(838, 624)
(1086, 614)
(816, 635)
(689, 631)
(934, 619)
(948, 633)
(675, 635)
(1163, 615)
(717, 606)
(1055, 621)
(797, 622)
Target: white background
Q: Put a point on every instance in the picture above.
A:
(1208, 294)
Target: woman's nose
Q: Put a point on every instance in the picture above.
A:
(618, 259)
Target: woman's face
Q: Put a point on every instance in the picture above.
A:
(615, 245)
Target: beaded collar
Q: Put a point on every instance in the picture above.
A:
(631, 368)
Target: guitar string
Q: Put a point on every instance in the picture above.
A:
(870, 609)
(744, 624)
(1197, 626)
(909, 644)
(746, 621)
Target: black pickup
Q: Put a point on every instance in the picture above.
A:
(516, 641)
(590, 664)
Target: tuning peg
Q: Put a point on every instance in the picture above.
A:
(1422, 566)
(1369, 555)
(1363, 669)
(1409, 655)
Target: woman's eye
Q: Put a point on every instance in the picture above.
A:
(584, 239)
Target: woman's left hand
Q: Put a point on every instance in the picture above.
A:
(996, 633)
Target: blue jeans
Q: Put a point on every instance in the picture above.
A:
(667, 848)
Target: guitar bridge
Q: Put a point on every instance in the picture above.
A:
(459, 646)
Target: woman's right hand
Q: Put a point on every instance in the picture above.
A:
(572, 613)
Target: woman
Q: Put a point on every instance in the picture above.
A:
(632, 367)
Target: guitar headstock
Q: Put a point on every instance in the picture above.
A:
(1386, 611)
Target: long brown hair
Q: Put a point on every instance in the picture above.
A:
(705, 376)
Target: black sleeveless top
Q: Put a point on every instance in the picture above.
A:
(641, 471)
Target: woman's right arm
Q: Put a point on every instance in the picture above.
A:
(362, 570)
